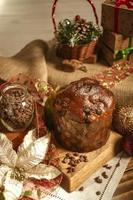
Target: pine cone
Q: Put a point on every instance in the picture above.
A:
(123, 120)
(81, 27)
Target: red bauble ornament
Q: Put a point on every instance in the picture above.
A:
(127, 144)
(123, 119)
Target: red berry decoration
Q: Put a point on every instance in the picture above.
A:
(77, 18)
(128, 144)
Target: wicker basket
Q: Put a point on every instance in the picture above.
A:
(79, 52)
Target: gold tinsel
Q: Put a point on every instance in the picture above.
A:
(123, 120)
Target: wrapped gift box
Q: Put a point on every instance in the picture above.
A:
(112, 57)
(116, 41)
(119, 20)
(116, 47)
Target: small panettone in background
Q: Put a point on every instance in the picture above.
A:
(123, 119)
(77, 38)
(82, 113)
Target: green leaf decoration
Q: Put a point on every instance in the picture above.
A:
(38, 193)
(49, 113)
(1, 196)
(77, 32)
(27, 193)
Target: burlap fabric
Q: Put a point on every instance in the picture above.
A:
(124, 91)
(58, 75)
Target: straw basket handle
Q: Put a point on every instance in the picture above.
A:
(54, 8)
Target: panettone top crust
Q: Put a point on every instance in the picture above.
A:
(84, 100)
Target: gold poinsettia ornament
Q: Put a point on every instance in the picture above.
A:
(17, 167)
(123, 119)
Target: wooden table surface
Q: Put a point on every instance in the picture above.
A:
(22, 21)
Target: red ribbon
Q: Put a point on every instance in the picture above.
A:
(128, 3)
(118, 3)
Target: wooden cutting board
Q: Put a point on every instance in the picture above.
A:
(83, 170)
(96, 159)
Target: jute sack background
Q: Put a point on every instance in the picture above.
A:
(30, 61)
(60, 75)
(124, 91)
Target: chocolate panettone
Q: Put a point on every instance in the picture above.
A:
(83, 115)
